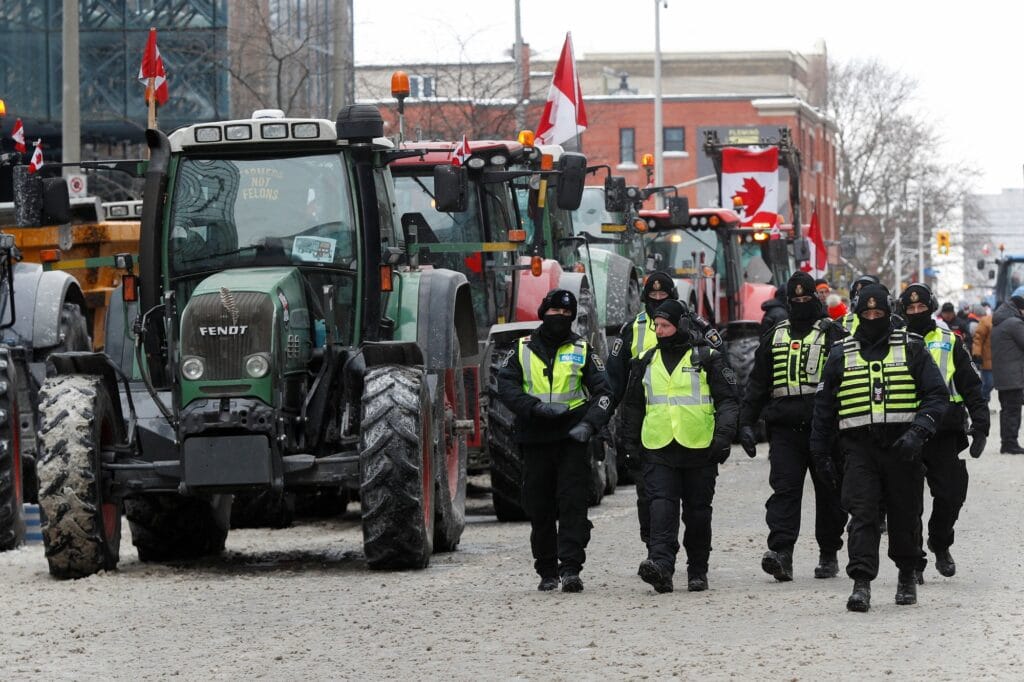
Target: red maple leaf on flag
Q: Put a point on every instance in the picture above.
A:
(752, 196)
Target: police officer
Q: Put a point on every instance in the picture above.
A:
(786, 373)
(883, 392)
(635, 339)
(850, 321)
(558, 389)
(680, 412)
(946, 472)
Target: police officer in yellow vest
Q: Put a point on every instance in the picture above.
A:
(946, 472)
(558, 389)
(635, 339)
(883, 394)
(680, 412)
(850, 320)
(785, 377)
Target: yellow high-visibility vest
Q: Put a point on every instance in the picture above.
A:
(679, 406)
(879, 391)
(566, 382)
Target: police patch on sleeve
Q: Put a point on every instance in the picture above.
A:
(616, 347)
(730, 376)
(508, 358)
(598, 362)
(603, 402)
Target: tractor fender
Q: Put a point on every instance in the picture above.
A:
(611, 275)
(39, 298)
(531, 290)
(751, 297)
(445, 318)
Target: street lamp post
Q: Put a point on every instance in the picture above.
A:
(658, 132)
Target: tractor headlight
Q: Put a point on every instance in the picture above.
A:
(257, 366)
(192, 368)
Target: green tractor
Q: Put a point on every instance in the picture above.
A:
(284, 341)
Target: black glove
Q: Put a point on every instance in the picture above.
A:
(720, 449)
(582, 432)
(826, 470)
(978, 444)
(908, 446)
(748, 440)
(550, 410)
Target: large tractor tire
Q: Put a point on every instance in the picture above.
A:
(598, 473)
(81, 527)
(740, 354)
(172, 527)
(73, 334)
(450, 462)
(396, 457)
(265, 509)
(506, 459)
(12, 522)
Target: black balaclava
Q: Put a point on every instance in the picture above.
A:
(803, 314)
(555, 329)
(919, 323)
(674, 312)
(660, 281)
(873, 297)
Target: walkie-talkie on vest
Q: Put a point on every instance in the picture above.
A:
(878, 391)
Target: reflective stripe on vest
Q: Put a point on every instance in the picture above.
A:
(797, 363)
(940, 343)
(566, 383)
(879, 391)
(849, 322)
(679, 406)
(644, 337)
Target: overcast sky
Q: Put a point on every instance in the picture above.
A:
(967, 59)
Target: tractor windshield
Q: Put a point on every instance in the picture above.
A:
(680, 251)
(293, 210)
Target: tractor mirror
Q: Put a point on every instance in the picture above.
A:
(777, 251)
(572, 174)
(678, 211)
(451, 189)
(56, 202)
(615, 194)
(801, 251)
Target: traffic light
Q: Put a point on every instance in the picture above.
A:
(943, 242)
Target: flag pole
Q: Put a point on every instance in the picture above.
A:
(151, 99)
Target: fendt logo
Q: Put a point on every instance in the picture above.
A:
(233, 330)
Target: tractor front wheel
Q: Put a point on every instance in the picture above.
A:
(81, 525)
(12, 522)
(397, 487)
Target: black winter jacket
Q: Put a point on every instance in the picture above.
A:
(1007, 348)
(531, 429)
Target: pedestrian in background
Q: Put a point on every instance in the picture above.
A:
(982, 352)
(680, 412)
(1007, 340)
(558, 389)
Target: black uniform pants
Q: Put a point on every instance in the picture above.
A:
(643, 506)
(1009, 415)
(667, 488)
(873, 474)
(556, 481)
(789, 455)
(947, 479)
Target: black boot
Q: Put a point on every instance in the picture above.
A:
(860, 598)
(697, 583)
(944, 563)
(547, 584)
(828, 565)
(655, 576)
(778, 565)
(919, 575)
(906, 587)
(571, 582)
(1011, 449)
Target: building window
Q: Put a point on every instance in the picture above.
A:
(674, 139)
(627, 145)
(421, 86)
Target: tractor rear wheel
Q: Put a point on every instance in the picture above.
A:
(12, 522)
(73, 333)
(81, 525)
(506, 459)
(172, 527)
(395, 453)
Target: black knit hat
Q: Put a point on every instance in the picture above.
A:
(672, 311)
(918, 293)
(800, 284)
(558, 298)
(873, 297)
(660, 281)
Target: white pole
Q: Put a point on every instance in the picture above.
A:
(920, 235)
(899, 261)
(658, 132)
(71, 126)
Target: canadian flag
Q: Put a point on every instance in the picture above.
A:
(461, 152)
(753, 178)
(818, 264)
(563, 117)
(153, 67)
(18, 135)
(36, 162)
